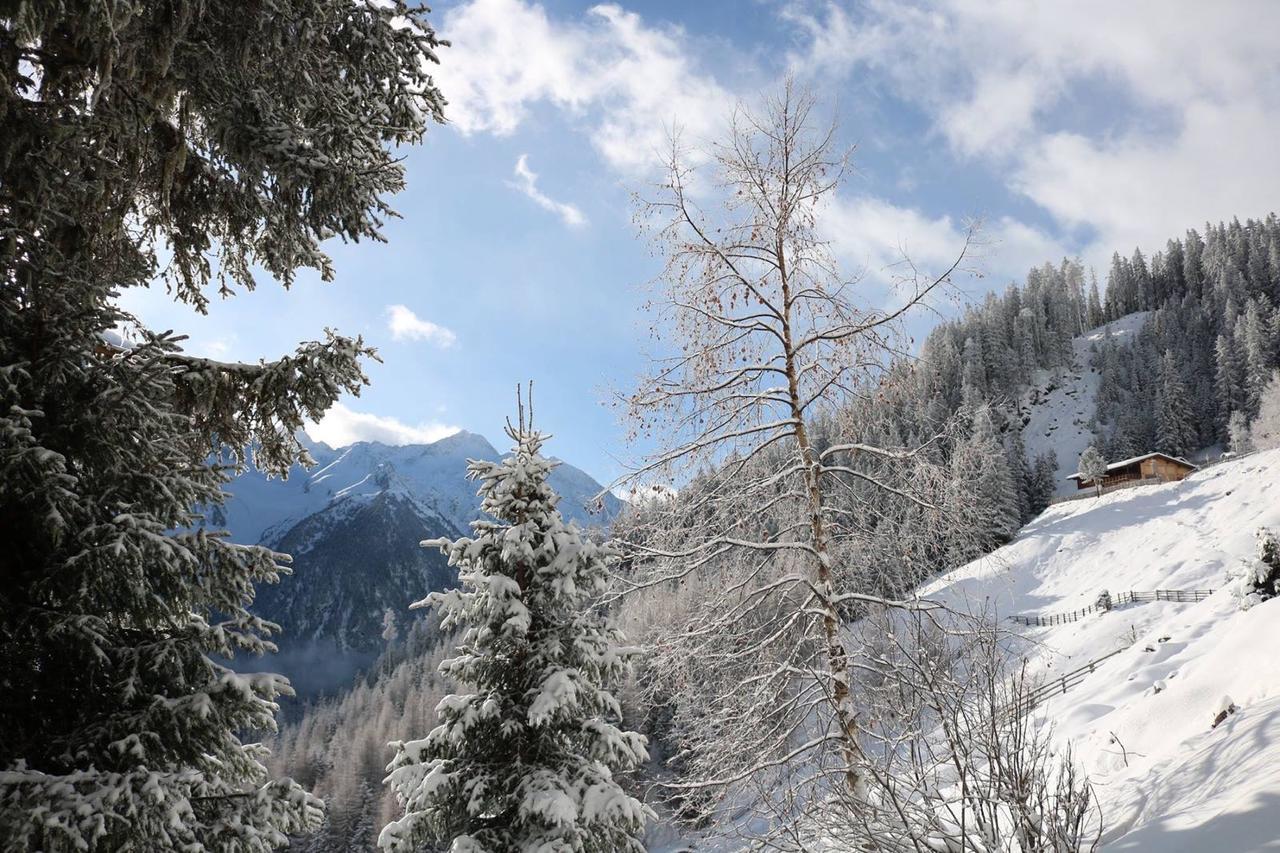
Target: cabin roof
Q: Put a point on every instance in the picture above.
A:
(1125, 463)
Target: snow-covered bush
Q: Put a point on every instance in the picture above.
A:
(1257, 580)
(527, 760)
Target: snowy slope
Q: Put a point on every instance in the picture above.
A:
(1058, 406)
(1186, 786)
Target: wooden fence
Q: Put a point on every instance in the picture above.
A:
(1185, 596)
(1092, 492)
(1029, 700)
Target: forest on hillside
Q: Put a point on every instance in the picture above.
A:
(1202, 360)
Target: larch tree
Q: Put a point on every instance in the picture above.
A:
(766, 337)
(526, 761)
(189, 142)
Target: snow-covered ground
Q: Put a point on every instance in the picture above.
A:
(1059, 404)
(1141, 725)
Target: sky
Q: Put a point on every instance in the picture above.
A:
(1069, 129)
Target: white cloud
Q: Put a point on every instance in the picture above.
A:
(628, 83)
(406, 325)
(873, 235)
(1139, 191)
(1182, 100)
(528, 184)
(341, 426)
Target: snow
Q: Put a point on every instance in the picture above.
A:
(1059, 405)
(1142, 725)
(262, 510)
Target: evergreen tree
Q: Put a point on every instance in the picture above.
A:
(1016, 459)
(1044, 474)
(1258, 354)
(1228, 384)
(1174, 432)
(241, 133)
(527, 760)
(1094, 311)
(1258, 580)
(982, 502)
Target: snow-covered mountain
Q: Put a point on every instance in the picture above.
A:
(352, 525)
(263, 510)
(1142, 724)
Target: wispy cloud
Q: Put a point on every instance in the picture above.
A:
(342, 426)
(527, 183)
(405, 325)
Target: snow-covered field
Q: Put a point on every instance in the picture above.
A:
(1059, 404)
(1141, 725)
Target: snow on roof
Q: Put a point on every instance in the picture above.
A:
(1125, 463)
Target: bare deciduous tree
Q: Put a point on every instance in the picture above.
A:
(770, 339)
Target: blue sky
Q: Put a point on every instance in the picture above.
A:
(1070, 129)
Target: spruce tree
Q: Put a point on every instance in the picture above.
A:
(526, 759)
(1043, 480)
(1174, 432)
(1228, 384)
(982, 501)
(216, 136)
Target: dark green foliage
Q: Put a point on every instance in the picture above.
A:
(219, 136)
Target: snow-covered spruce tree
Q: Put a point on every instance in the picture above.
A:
(1258, 580)
(1175, 434)
(982, 506)
(527, 760)
(143, 140)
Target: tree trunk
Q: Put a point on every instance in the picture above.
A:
(837, 656)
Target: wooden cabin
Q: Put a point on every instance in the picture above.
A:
(1151, 467)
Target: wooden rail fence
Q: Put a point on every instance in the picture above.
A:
(1028, 701)
(1186, 596)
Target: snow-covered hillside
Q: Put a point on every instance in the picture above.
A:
(1142, 723)
(1059, 405)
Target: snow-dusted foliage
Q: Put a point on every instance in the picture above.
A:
(527, 760)
(143, 140)
(1093, 467)
(1257, 580)
(961, 764)
(1265, 432)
